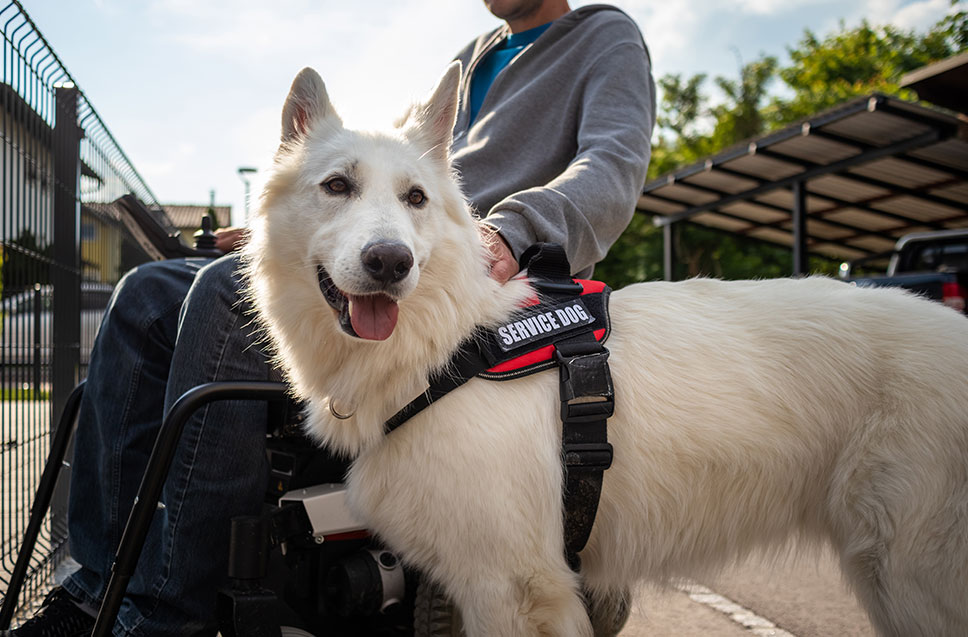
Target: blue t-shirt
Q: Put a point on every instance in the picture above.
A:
(499, 57)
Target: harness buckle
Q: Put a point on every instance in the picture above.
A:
(587, 411)
(558, 287)
(587, 456)
(585, 385)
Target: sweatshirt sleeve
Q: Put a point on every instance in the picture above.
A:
(587, 206)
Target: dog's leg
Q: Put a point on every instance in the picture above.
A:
(544, 604)
(608, 611)
(902, 601)
(902, 531)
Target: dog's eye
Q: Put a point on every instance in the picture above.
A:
(337, 186)
(416, 197)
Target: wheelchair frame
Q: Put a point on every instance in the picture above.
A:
(244, 604)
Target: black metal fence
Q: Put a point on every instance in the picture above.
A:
(64, 246)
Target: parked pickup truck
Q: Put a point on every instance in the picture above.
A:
(933, 264)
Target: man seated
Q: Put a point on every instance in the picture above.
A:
(575, 84)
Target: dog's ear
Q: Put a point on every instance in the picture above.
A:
(432, 123)
(306, 104)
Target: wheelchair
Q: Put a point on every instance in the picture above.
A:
(302, 568)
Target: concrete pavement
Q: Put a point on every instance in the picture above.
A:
(799, 598)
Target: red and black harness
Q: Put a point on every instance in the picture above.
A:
(564, 328)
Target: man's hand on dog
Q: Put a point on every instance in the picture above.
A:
(230, 239)
(502, 261)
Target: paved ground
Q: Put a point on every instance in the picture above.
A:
(802, 599)
(805, 598)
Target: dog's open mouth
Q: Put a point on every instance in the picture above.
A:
(370, 316)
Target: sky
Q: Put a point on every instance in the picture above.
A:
(192, 90)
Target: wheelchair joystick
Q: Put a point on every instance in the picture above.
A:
(205, 238)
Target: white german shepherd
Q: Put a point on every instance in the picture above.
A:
(746, 413)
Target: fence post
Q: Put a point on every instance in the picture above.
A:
(38, 362)
(65, 271)
(799, 218)
(669, 256)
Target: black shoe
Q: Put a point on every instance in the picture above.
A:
(59, 616)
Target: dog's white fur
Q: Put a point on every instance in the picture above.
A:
(746, 413)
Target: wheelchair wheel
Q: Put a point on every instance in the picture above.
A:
(434, 615)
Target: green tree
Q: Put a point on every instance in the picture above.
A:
(680, 136)
(853, 62)
(954, 29)
(741, 116)
(637, 256)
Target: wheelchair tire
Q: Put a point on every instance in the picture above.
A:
(434, 615)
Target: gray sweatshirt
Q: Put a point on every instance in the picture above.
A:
(565, 128)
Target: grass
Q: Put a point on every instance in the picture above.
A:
(23, 393)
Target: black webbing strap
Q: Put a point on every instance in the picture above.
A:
(587, 401)
(468, 361)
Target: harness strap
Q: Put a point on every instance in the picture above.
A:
(468, 362)
(587, 400)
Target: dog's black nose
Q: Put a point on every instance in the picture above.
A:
(387, 262)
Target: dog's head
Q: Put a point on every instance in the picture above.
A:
(360, 237)
(360, 212)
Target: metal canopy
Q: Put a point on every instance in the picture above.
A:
(853, 180)
(943, 83)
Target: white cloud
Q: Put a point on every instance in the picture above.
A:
(168, 162)
(252, 137)
(670, 29)
(920, 15)
(875, 11)
(770, 7)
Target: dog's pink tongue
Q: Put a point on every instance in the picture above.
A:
(373, 316)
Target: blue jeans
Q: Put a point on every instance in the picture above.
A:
(171, 325)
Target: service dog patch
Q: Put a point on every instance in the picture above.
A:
(525, 343)
(545, 321)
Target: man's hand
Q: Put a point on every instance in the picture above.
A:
(502, 261)
(230, 239)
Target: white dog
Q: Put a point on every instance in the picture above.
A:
(746, 413)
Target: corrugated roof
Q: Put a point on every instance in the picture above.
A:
(942, 83)
(873, 169)
(189, 217)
